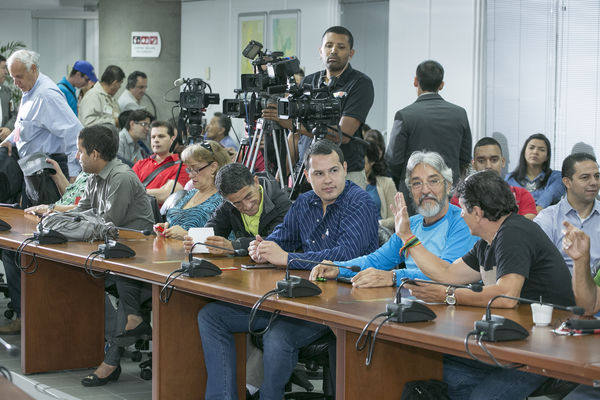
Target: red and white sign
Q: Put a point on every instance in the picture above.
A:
(145, 44)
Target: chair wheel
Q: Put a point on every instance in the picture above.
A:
(9, 314)
(146, 374)
(136, 356)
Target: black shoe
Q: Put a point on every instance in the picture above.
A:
(129, 337)
(93, 380)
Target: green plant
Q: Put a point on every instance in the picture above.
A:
(6, 50)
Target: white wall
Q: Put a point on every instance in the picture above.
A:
(15, 25)
(209, 36)
(433, 29)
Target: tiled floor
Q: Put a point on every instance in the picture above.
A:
(129, 386)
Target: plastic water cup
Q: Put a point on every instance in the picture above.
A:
(542, 314)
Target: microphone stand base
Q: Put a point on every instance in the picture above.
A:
(297, 287)
(112, 249)
(410, 311)
(49, 236)
(200, 268)
(499, 329)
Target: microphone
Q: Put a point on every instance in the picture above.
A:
(199, 267)
(295, 286)
(178, 82)
(353, 268)
(235, 252)
(495, 328)
(113, 249)
(476, 287)
(409, 310)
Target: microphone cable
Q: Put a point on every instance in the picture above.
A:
(483, 347)
(18, 254)
(87, 266)
(371, 337)
(254, 310)
(167, 289)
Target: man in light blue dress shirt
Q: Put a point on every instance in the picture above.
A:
(45, 122)
(580, 207)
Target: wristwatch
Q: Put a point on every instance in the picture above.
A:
(450, 297)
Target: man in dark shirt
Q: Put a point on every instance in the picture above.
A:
(334, 221)
(514, 257)
(430, 123)
(248, 198)
(352, 87)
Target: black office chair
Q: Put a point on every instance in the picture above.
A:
(317, 356)
(318, 363)
(554, 389)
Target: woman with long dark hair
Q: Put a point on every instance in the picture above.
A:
(381, 187)
(534, 173)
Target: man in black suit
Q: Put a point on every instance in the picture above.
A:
(432, 124)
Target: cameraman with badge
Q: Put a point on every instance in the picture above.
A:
(355, 91)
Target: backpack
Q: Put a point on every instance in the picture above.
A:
(83, 226)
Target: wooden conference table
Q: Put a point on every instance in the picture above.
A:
(62, 317)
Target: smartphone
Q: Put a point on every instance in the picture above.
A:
(258, 266)
(345, 279)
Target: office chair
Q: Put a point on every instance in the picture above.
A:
(554, 389)
(320, 354)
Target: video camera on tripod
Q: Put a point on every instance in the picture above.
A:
(193, 100)
(271, 78)
(316, 109)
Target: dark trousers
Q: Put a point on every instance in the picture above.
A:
(13, 280)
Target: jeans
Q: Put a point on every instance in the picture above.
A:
(218, 321)
(470, 379)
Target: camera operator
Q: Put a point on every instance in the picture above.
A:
(355, 91)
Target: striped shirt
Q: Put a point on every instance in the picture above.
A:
(196, 216)
(347, 230)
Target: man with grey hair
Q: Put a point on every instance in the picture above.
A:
(45, 122)
(437, 225)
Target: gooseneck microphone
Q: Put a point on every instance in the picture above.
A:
(235, 252)
(353, 268)
(409, 310)
(476, 287)
(495, 328)
(295, 286)
(196, 267)
(113, 249)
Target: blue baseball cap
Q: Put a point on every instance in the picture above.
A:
(85, 68)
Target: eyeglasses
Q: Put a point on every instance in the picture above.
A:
(433, 183)
(194, 171)
(142, 123)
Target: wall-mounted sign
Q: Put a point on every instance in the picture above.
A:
(145, 44)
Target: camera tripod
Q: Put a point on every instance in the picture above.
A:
(274, 136)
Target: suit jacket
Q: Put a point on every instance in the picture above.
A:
(8, 115)
(433, 124)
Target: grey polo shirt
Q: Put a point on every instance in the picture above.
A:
(128, 148)
(119, 197)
